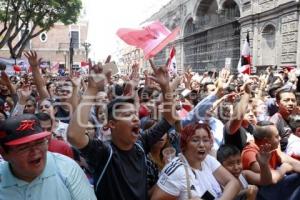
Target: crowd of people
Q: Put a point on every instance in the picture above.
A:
(149, 135)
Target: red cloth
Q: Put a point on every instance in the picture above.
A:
(143, 112)
(186, 107)
(152, 38)
(58, 146)
(249, 156)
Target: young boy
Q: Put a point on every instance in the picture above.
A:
(230, 157)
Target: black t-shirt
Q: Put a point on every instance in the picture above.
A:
(126, 174)
(62, 115)
(238, 139)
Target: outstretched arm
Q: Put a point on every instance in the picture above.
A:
(34, 62)
(76, 131)
(239, 110)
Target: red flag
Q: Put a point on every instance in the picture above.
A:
(84, 64)
(152, 38)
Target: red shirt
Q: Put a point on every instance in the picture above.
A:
(249, 156)
(58, 146)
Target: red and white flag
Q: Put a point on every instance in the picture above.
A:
(172, 68)
(54, 68)
(244, 65)
(84, 64)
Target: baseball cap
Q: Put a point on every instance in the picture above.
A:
(21, 129)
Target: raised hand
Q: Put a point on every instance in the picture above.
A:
(33, 58)
(96, 79)
(76, 81)
(24, 93)
(135, 72)
(161, 75)
(247, 87)
(264, 154)
(187, 78)
(4, 78)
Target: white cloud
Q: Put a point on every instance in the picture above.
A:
(106, 17)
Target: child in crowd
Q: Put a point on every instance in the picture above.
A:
(230, 157)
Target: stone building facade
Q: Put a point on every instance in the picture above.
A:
(213, 31)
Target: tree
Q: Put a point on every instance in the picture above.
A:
(29, 18)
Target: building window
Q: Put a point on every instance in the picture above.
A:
(75, 39)
(43, 37)
(269, 35)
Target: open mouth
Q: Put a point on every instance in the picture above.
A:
(202, 152)
(136, 130)
(36, 161)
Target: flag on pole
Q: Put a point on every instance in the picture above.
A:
(172, 63)
(244, 65)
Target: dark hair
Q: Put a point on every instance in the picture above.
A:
(48, 85)
(281, 91)
(115, 104)
(145, 94)
(31, 98)
(225, 151)
(43, 116)
(206, 84)
(5, 115)
(261, 130)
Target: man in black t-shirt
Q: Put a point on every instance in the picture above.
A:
(119, 166)
(238, 130)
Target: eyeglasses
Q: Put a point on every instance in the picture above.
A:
(27, 148)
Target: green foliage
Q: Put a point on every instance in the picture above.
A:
(34, 16)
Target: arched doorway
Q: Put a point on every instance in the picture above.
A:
(268, 45)
(214, 36)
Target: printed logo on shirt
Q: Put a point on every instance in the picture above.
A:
(193, 187)
(163, 179)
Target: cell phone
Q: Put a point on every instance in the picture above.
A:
(207, 196)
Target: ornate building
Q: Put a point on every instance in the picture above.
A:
(213, 31)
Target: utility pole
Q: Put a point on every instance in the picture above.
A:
(71, 55)
(86, 46)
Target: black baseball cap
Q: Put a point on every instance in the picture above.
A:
(21, 129)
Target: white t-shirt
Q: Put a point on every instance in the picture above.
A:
(173, 179)
(243, 181)
(61, 130)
